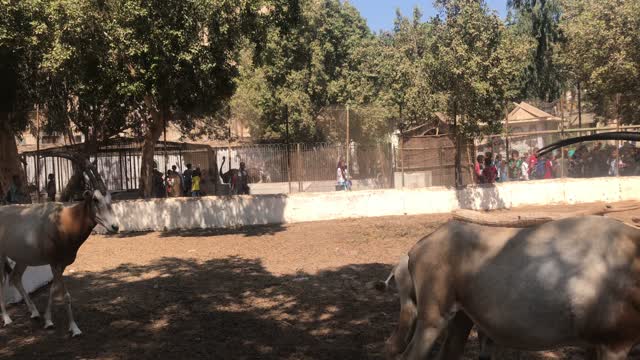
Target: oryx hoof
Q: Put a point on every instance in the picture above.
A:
(35, 315)
(48, 324)
(7, 320)
(74, 330)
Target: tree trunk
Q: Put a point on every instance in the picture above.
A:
(151, 137)
(10, 163)
(458, 169)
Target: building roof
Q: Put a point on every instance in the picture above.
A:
(525, 112)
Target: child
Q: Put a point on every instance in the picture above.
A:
(514, 165)
(195, 182)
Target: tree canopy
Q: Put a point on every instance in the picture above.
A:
(289, 66)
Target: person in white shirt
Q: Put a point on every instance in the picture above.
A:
(524, 169)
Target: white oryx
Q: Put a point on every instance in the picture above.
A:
(50, 234)
(570, 282)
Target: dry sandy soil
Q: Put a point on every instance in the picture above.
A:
(274, 292)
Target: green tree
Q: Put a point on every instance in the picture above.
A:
(475, 63)
(84, 74)
(180, 56)
(23, 43)
(298, 71)
(602, 51)
(539, 19)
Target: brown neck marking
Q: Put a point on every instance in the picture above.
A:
(74, 227)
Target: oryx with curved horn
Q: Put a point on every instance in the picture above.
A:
(51, 234)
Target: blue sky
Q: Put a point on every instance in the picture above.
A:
(380, 13)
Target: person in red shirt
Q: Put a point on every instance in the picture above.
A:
(548, 166)
(490, 172)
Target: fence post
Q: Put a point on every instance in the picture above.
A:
(392, 172)
(402, 159)
(440, 166)
(562, 170)
(299, 169)
(37, 152)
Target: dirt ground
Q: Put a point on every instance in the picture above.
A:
(295, 291)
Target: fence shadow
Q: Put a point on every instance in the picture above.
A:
(229, 308)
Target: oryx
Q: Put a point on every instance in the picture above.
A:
(574, 281)
(51, 234)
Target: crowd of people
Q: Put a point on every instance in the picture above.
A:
(581, 162)
(175, 184)
(189, 183)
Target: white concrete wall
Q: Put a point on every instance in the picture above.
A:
(32, 279)
(227, 211)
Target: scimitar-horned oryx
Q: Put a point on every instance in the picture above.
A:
(570, 282)
(51, 234)
(408, 310)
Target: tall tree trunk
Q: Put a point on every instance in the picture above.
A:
(151, 137)
(458, 168)
(10, 163)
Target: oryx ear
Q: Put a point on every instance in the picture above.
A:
(87, 194)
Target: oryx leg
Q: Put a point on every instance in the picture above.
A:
(16, 280)
(59, 283)
(3, 282)
(52, 292)
(436, 308)
(457, 334)
(398, 341)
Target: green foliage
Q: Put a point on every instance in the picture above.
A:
(23, 43)
(539, 20)
(475, 62)
(300, 70)
(603, 52)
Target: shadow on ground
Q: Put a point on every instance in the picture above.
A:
(247, 230)
(220, 309)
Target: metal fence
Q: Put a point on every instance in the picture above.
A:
(515, 160)
(414, 162)
(272, 168)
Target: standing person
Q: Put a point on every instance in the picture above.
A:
(187, 180)
(489, 173)
(51, 188)
(498, 164)
(524, 168)
(533, 161)
(514, 166)
(341, 176)
(561, 163)
(478, 167)
(548, 166)
(242, 181)
(195, 182)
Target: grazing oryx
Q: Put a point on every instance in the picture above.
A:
(398, 341)
(574, 281)
(49, 234)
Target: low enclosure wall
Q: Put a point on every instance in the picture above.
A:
(229, 211)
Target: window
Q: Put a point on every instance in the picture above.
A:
(49, 139)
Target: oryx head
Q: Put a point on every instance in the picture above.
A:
(98, 200)
(100, 209)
